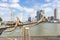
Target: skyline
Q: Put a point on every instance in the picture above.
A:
(24, 8)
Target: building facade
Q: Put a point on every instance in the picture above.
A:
(29, 19)
(55, 13)
(39, 14)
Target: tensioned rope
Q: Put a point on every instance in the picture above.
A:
(19, 22)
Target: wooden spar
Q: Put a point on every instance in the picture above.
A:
(21, 24)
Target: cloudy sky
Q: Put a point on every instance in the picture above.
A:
(25, 8)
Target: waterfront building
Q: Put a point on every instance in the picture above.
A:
(39, 12)
(29, 19)
(55, 13)
(50, 18)
(34, 19)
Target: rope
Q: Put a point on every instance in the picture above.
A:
(16, 25)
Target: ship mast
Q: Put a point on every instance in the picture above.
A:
(12, 15)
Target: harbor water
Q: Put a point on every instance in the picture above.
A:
(43, 29)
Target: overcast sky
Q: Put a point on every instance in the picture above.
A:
(25, 8)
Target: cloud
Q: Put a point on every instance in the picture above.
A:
(37, 7)
(1, 13)
(47, 5)
(4, 8)
(3, 0)
(4, 11)
(17, 6)
(3, 4)
(14, 1)
(49, 11)
(19, 15)
(6, 18)
(47, 0)
(25, 11)
(55, 3)
(11, 1)
(28, 10)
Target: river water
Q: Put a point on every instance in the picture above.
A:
(43, 29)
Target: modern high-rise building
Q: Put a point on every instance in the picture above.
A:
(55, 13)
(29, 19)
(58, 13)
(39, 12)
